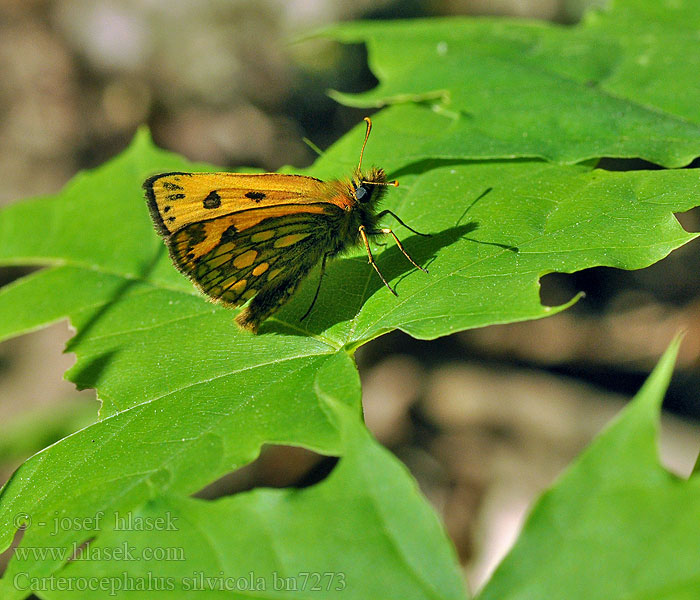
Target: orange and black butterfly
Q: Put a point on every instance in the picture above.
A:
(254, 237)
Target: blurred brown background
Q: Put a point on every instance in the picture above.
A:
(485, 419)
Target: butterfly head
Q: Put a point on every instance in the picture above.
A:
(369, 187)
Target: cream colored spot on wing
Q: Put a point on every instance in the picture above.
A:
(262, 236)
(245, 260)
(249, 294)
(274, 273)
(261, 268)
(288, 240)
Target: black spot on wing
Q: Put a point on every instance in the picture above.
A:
(257, 196)
(229, 234)
(196, 233)
(213, 200)
(172, 197)
(171, 186)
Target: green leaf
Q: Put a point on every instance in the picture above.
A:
(616, 525)
(276, 542)
(496, 228)
(615, 85)
(178, 442)
(187, 397)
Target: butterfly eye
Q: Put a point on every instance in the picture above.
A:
(360, 193)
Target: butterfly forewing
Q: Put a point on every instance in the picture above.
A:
(179, 199)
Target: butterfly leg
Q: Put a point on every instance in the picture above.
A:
(388, 212)
(318, 289)
(398, 243)
(363, 234)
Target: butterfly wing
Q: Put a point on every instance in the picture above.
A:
(231, 263)
(263, 236)
(179, 199)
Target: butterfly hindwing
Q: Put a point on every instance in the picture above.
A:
(232, 260)
(269, 300)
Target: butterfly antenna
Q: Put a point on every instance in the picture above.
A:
(369, 128)
(359, 166)
(391, 183)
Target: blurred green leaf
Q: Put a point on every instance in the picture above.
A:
(30, 431)
(616, 525)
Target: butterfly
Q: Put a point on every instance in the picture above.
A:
(241, 236)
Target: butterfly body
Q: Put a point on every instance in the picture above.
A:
(255, 237)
